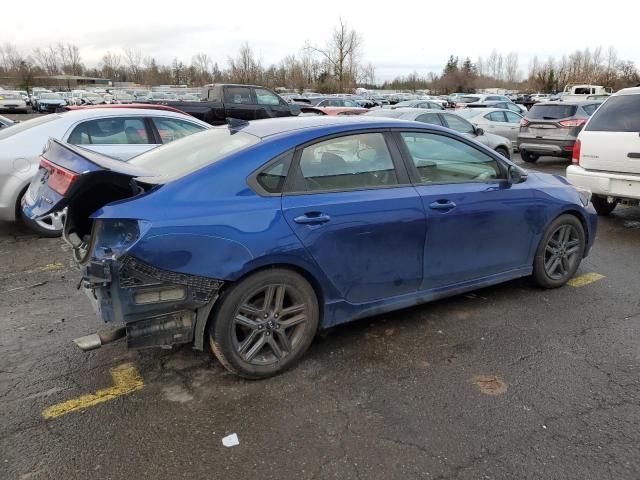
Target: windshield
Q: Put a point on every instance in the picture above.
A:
(22, 126)
(51, 96)
(9, 96)
(194, 152)
(91, 95)
(468, 99)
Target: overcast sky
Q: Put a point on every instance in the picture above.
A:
(399, 37)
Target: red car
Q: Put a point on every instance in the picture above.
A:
(149, 106)
(332, 110)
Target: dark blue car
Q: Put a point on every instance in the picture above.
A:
(253, 236)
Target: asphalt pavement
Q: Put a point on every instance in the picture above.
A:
(508, 382)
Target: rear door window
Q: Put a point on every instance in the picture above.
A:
(241, 95)
(111, 131)
(512, 117)
(617, 114)
(551, 112)
(346, 163)
(589, 109)
(495, 117)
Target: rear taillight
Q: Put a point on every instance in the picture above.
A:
(524, 122)
(577, 122)
(575, 157)
(60, 179)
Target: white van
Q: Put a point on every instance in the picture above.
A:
(606, 155)
(574, 93)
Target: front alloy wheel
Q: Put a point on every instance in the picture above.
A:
(560, 252)
(264, 323)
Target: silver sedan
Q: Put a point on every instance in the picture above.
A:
(453, 121)
(494, 120)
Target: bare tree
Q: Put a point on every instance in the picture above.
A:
(70, 61)
(47, 59)
(511, 67)
(111, 65)
(202, 65)
(245, 68)
(133, 57)
(342, 53)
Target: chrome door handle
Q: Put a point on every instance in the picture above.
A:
(312, 218)
(442, 205)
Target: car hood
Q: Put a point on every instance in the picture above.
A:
(549, 178)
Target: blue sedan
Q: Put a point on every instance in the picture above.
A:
(252, 236)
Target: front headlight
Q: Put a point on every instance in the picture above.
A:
(584, 194)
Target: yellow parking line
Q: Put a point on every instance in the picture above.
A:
(585, 279)
(126, 379)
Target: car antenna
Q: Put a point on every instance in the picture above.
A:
(236, 123)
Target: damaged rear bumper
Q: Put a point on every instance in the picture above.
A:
(157, 307)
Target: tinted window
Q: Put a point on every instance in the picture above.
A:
(459, 124)
(265, 97)
(512, 117)
(441, 159)
(171, 129)
(551, 112)
(110, 131)
(237, 95)
(354, 161)
(495, 117)
(272, 178)
(617, 114)
(432, 118)
(589, 109)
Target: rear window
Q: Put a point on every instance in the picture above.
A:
(551, 112)
(617, 114)
(468, 99)
(193, 152)
(589, 109)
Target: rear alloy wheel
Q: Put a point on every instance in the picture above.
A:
(529, 157)
(264, 324)
(504, 152)
(602, 206)
(560, 252)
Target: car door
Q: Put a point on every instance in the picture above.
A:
(352, 206)
(479, 225)
(513, 122)
(118, 137)
(273, 105)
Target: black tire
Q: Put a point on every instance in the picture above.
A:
(602, 207)
(557, 259)
(504, 152)
(529, 157)
(245, 342)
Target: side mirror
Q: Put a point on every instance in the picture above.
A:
(516, 174)
(479, 131)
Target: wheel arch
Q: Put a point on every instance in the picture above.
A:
(200, 331)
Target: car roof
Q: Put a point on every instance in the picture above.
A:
(483, 111)
(83, 113)
(628, 91)
(570, 102)
(277, 126)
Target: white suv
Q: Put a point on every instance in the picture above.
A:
(606, 155)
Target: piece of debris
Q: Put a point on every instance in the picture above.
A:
(231, 440)
(632, 224)
(490, 384)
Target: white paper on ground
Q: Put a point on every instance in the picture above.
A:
(231, 440)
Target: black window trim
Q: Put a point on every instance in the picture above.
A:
(413, 171)
(252, 179)
(294, 185)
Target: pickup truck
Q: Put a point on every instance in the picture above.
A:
(244, 102)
